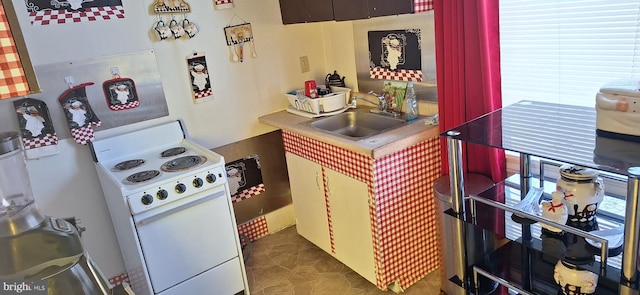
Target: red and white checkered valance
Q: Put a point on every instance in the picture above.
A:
(13, 81)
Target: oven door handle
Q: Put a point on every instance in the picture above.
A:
(161, 215)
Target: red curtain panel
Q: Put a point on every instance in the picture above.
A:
(468, 75)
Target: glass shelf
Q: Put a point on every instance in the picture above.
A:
(562, 133)
(557, 132)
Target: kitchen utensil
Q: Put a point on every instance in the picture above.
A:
(176, 29)
(38, 248)
(120, 93)
(190, 28)
(334, 80)
(162, 29)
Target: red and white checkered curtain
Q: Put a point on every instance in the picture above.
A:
(13, 81)
(422, 5)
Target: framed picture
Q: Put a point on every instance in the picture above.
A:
(199, 76)
(395, 55)
(238, 34)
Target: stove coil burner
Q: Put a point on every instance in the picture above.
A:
(143, 176)
(173, 152)
(183, 163)
(129, 164)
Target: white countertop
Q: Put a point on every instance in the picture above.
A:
(375, 146)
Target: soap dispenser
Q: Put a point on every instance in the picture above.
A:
(410, 104)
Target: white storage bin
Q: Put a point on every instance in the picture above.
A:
(328, 103)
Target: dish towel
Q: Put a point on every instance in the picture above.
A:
(223, 4)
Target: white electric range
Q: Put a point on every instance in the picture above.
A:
(170, 206)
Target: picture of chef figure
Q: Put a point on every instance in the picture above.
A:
(393, 50)
(395, 55)
(200, 78)
(245, 178)
(121, 94)
(33, 118)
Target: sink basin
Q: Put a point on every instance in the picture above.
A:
(356, 125)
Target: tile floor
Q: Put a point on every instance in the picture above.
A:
(285, 263)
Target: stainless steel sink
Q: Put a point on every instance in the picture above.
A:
(356, 125)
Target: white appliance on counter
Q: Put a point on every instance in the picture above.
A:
(171, 209)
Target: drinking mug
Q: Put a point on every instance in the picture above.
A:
(177, 29)
(310, 89)
(163, 30)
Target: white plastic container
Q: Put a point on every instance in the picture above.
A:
(328, 103)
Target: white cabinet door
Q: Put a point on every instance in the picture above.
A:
(307, 193)
(349, 206)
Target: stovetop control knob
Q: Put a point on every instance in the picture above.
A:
(211, 178)
(146, 199)
(198, 182)
(181, 188)
(162, 194)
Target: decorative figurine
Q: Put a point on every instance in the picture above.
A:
(555, 211)
(583, 191)
(573, 280)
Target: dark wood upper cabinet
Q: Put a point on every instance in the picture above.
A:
(389, 7)
(350, 9)
(302, 11)
(320, 10)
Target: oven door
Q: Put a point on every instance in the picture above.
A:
(187, 238)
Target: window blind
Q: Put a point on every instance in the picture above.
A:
(564, 51)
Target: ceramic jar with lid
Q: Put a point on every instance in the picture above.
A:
(574, 280)
(583, 191)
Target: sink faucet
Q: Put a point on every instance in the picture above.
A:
(383, 105)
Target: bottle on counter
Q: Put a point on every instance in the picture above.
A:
(410, 103)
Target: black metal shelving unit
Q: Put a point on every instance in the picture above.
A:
(524, 263)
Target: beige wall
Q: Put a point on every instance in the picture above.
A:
(66, 184)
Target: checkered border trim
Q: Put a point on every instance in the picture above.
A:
(84, 135)
(202, 94)
(358, 166)
(327, 206)
(248, 193)
(119, 279)
(404, 218)
(61, 16)
(32, 143)
(220, 2)
(14, 81)
(422, 5)
(120, 107)
(254, 229)
(399, 75)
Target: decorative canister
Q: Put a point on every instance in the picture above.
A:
(573, 280)
(583, 191)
